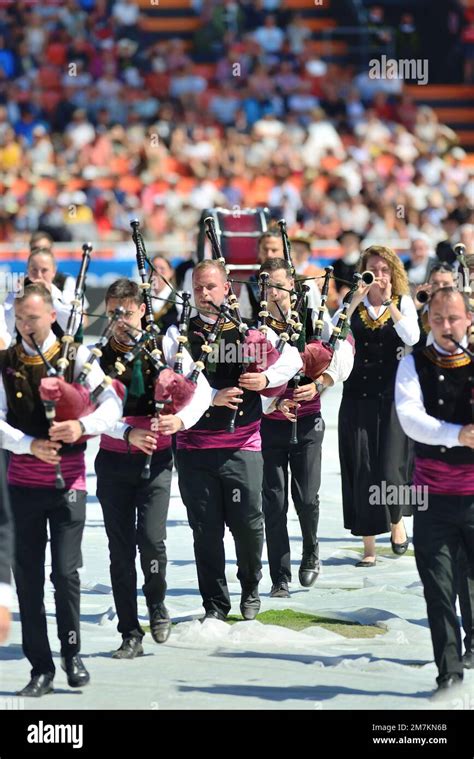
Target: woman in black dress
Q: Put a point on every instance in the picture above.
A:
(374, 452)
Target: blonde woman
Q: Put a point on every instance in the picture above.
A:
(373, 450)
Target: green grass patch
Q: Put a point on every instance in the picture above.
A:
(381, 551)
(298, 620)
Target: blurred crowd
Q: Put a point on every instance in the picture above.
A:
(98, 125)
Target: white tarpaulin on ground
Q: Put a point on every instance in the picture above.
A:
(250, 665)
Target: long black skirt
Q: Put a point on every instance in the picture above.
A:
(375, 454)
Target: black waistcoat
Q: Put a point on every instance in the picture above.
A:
(446, 383)
(279, 327)
(21, 378)
(166, 317)
(378, 350)
(223, 373)
(134, 406)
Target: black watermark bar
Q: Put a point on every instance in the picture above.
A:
(89, 733)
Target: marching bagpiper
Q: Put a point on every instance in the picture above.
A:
(135, 501)
(303, 454)
(47, 481)
(220, 463)
(434, 398)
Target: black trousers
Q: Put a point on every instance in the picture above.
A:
(222, 487)
(466, 599)
(304, 460)
(65, 511)
(135, 512)
(438, 534)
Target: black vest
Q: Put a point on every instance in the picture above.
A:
(21, 375)
(134, 406)
(280, 327)
(378, 350)
(166, 317)
(221, 374)
(446, 383)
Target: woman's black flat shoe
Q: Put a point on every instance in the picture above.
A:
(366, 563)
(400, 548)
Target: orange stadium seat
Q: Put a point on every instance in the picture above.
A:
(130, 184)
(118, 165)
(185, 185)
(206, 70)
(47, 186)
(174, 25)
(19, 187)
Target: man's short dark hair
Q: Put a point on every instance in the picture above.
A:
(270, 232)
(276, 264)
(442, 267)
(124, 289)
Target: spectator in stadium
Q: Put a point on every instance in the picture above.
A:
(420, 261)
(346, 266)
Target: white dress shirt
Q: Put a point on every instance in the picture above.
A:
(107, 413)
(4, 333)
(415, 422)
(342, 361)
(407, 327)
(200, 401)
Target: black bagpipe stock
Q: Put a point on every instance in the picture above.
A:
(287, 248)
(339, 330)
(173, 391)
(76, 307)
(145, 284)
(96, 352)
(50, 410)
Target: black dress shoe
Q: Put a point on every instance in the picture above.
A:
(160, 623)
(130, 648)
(214, 614)
(280, 590)
(249, 604)
(447, 683)
(468, 660)
(309, 570)
(77, 674)
(39, 685)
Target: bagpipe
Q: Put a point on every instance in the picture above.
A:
(257, 352)
(316, 354)
(460, 253)
(62, 400)
(173, 391)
